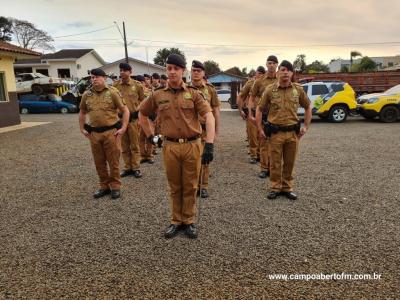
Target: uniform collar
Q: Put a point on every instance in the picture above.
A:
(284, 87)
(130, 82)
(106, 87)
(200, 86)
(183, 87)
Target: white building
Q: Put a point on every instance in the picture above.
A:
(68, 63)
(382, 62)
(139, 67)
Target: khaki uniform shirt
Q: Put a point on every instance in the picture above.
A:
(132, 92)
(283, 103)
(177, 110)
(102, 106)
(210, 94)
(259, 87)
(245, 92)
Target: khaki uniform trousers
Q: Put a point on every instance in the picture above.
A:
(182, 166)
(253, 140)
(146, 148)
(130, 147)
(106, 149)
(283, 148)
(264, 155)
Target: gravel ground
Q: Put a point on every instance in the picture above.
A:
(57, 242)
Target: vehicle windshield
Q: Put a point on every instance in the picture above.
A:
(38, 75)
(393, 90)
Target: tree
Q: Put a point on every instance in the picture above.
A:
(30, 37)
(344, 69)
(365, 65)
(244, 72)
(211, 67)
(317, 67)
(162, 54)
(354, 54)
(5, 29)
(299, 63)
(234, 71)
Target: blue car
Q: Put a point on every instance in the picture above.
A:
(44, 104)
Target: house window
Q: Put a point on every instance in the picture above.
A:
(78, 66)
(45, 72)
(64, 73)
(390, 64)
(3, 91)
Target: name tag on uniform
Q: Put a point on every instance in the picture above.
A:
(163, 101)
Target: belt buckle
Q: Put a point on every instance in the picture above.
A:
(181, 141)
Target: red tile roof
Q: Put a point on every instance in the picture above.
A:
(4, 46)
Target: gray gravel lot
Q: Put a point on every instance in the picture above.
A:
(57, 242)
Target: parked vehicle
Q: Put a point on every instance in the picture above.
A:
(74, 95)
(51, 103)
(36, 83)
(384, 105)
(332, 100)
(224, 95)
(366, 82)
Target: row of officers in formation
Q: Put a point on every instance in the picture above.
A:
(132, 118)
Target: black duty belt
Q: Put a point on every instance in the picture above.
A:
(133, 116)
(272, 128)
(183, 140)
(90, 129)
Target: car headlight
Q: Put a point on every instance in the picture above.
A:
(372, 100)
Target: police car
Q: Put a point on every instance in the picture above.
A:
(331, 100)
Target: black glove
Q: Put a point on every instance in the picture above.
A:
(208, 154)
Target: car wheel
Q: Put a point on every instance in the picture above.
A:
(64, 110)
(338, 114)
(24, 111)
(37, 89)
(389, 114)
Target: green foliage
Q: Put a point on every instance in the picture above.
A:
(162, 54)
(5, 29)
(211, 67)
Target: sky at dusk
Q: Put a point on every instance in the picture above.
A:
(232, 33)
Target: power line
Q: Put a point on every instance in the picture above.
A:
(101, 29)
(269, 46)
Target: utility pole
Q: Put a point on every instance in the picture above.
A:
(124, 38)
(126, 46)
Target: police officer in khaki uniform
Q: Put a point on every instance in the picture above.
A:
(146, 148)
(254, 143)
(283, 128)
(163, 80)
(210, 94)
(132, 92)
(178, 107)
(102, 103)
(257, 90)
(242, 101)
(155, 81)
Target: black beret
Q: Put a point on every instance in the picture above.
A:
(177, 60)
(140, 78)
(146, 75)
(261, 69)
(197, 64)
(272, 58)
(164, 77)
(98, 72)
(156, 76)
(125, 66)
(287, 65)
